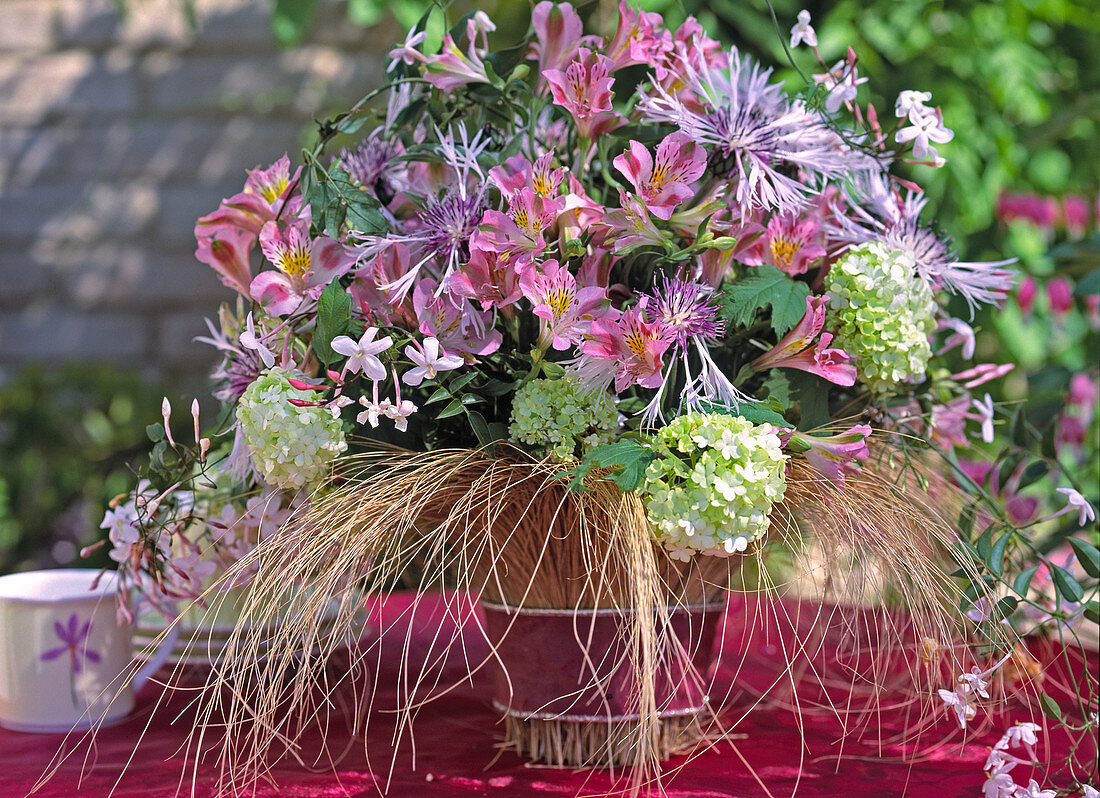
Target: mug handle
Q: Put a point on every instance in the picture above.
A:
(160, 656)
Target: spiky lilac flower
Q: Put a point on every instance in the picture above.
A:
(758, 137)
(370, 163)
(450, 222)
(893, 220)
(439, 233)
(688, 312)
(687, 308)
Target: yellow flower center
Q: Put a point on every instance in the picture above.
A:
(542, 186)
(635, 342)
(559, 301)
(783, 249)
(295, 263)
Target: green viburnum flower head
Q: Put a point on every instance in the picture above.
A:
(560, 417)
(291, 446)
(712, 486)
(881, 313)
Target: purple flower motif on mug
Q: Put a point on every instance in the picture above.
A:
(74, 636)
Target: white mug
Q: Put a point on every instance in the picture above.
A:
(63, 652)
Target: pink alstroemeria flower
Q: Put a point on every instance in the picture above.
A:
(835, 456)
(636, 40)
(568, 311)
(664, 184)
(558, 34)
(518, 173)
(518, 235)
(226, 250)
(584, 89)
(453, 68)
(794, 349)
(790, 243)
(372, 299)
(304, 266)
(631, 226)
(459, 327)
(265, 193)
(1059, 296)
(629, 349)
(486, 279)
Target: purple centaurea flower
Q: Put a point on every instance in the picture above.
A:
(688, 313)
(443, 227)
(755, 133)
(370, 164)
(687, 308)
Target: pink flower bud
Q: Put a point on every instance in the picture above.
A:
(195, 417)
(1060, 295)
(166, 413)
(1025, 295)
(1075, 215)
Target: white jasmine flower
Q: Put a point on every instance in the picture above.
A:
(407, 51)
(429, 361)
(909, 101)
(1032, 790)
(1075, 501)
(984, 409)
(922, 131)
(363, 354)
(803, 31)
(842, 84)
(249, 340)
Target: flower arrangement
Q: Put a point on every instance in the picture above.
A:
(605, 313)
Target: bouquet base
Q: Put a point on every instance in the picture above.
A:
(578, 688)
(587, 744)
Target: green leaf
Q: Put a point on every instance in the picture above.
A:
(504, 61)
(756, 412)
(778, 387)
(439, 395)
(1068, 586)
(452, 409)
(1032, 474)
(1089, 284)
(334, 199)
(1023, 580)
(458, 383)
(1050, 707)
(629, 458)
(155, 432)
(333, 315)
(495, 387)
(480, 427)
(1005, 607)
(812, 394)
(1088, 555)
(1092, 611)
(984, 544)
(766, 286)
(997, 555)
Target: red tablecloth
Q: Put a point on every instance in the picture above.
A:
(455, 741)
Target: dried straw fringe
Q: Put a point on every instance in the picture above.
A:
(505, 528)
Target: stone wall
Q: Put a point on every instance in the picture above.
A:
(116, 133)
